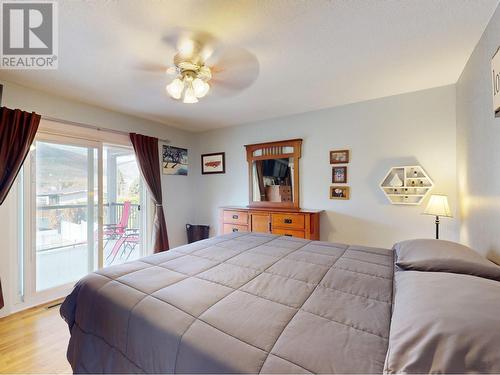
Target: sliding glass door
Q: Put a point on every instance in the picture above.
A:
(123, 195)
(84, 205)
(65, 197)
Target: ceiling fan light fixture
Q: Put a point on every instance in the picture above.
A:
(175, 88)
(192, 75)
(189, 94)
(200, 87)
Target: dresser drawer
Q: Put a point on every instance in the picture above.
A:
(289, 232)
(288, 221)
(260, 223)
(230, 228)
(235, 217)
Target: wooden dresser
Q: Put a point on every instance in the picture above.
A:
(289, 222)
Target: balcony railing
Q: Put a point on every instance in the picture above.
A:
(133, 219)
(50, 217)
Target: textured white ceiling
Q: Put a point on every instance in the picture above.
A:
(310, 54)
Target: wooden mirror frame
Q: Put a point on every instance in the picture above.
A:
(274, 150)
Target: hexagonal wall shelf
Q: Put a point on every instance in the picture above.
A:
(406, 185)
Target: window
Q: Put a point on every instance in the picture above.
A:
(83, 209)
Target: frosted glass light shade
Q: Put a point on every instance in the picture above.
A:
(175, 88)
(189, 95)
(438, 206)
(200, 88)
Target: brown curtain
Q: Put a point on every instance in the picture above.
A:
(17, 131)
(146, 151)
(259, 164)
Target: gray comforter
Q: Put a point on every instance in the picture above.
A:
(237, 303)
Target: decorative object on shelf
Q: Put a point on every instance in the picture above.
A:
(414, 185)
(175, 160)
(396, 181)
(339, 192)
(339, 175)
(438, 206)
(339, 157)
(495, 72)
(213, 163)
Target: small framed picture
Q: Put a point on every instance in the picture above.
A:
(339, 157)
(339, 175)
(339, 192)
(175, 160)
(213, 163)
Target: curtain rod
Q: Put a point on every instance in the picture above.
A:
(98, 128)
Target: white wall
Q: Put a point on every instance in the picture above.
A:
(415, 128)
(478, 148)
(177, 190)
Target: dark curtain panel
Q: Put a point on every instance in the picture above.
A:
(146, 151)
(17, 131)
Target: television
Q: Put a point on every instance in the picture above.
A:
(277, 168)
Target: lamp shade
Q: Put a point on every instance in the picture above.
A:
(438, 206)
(175, 88)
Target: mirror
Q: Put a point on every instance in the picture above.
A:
(273, 180)
(273, 173)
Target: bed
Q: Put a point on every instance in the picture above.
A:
(258, 303)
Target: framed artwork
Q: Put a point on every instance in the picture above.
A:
(175, 160)
(339, 157)
(339, 175)
(213, 163)
(339, 192)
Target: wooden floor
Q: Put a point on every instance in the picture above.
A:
(34, 341)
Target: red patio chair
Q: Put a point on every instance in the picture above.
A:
(129, 241)
(116, 231)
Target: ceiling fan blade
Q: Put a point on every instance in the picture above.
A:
(233, 68)
(171, 40)
(172, 70)
(151, 67)
(191, 42)
(236, 70)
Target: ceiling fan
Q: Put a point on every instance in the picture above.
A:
(201, 63)
(191, 72)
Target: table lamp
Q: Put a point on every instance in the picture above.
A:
(438, 206)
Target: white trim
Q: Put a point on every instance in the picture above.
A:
(41, 298)
(31, 295)
(100, 208)
(29, 223)
(13, 258)
(63, 129)
(93, 127)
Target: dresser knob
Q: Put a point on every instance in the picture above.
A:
(235, 217)
(288, 221)
(235, 229)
